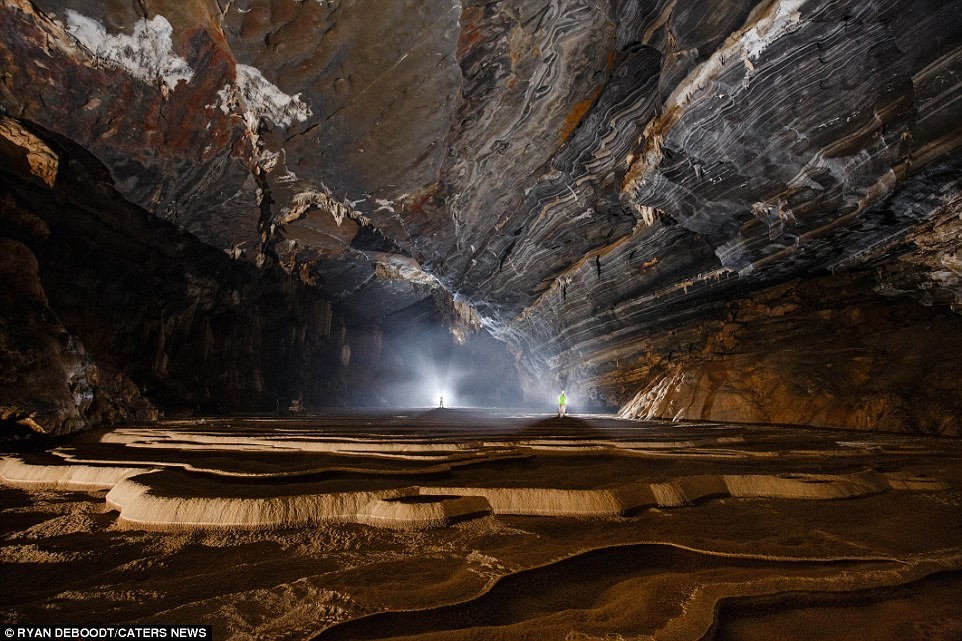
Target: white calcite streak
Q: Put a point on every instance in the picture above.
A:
(322, 199)
(257, 97)
(785, 19)
(147, 54)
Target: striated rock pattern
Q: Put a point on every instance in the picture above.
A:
(597, 183)
(820, 352)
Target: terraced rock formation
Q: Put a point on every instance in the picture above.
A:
(458, 524)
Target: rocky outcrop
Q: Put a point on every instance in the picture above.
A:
(575, 177)
(821, 352)
(107, 307)
(49, 382)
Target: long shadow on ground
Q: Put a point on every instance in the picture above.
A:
(570, 584)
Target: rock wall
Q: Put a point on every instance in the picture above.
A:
(107, 307)
(875, 348)
(824, 352)
(48, 382)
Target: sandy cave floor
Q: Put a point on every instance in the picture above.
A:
(461, 524)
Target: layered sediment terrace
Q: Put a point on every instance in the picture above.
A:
(446, 523)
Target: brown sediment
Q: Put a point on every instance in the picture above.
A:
(593, 526)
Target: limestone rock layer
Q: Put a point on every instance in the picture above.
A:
(596, 183)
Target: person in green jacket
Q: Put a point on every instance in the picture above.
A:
(562, 404)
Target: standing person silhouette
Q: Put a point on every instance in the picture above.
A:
(562, 404)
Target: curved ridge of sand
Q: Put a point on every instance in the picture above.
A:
(18, 473)
(140, 508)
(409, 447)
(206, 441)
(688, 490)
(140, 505)
(137, 505)
(525, 501)
(399, 514)
(431, 467)
(700, 610)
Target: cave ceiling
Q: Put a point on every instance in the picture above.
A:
(562, 169)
